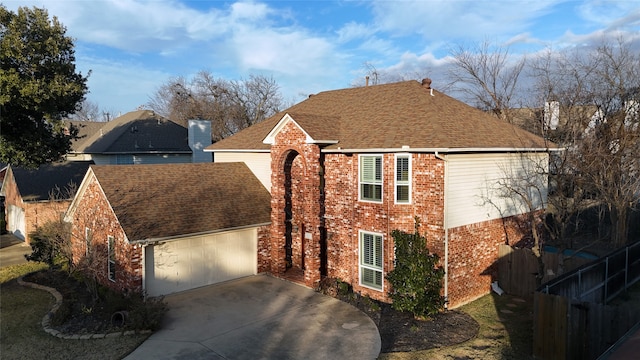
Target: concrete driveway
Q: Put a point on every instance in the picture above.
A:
(260, 317)
(12, 250)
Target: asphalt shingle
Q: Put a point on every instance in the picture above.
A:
(166, 200)
(390, 116)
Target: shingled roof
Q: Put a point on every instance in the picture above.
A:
(59, 179)
(141, 131)
(171, 200)
(388, 117)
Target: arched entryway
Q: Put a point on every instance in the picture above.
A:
(297, 226)
(295, 217)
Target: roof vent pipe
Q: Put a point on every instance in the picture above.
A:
(366, 80)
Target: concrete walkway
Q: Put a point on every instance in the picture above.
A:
(260, 317)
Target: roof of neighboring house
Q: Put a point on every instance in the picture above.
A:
(533, 119)
(389, 116)
(136, 132)
(85, 130)
(60, 179)
(169, 200)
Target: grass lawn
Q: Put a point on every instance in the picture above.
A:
(21, 333)
(506, 332)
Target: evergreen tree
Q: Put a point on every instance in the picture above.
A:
(39, 86)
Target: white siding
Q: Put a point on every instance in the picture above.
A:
(258, 163)
(144, 159)
(197, 261)
(475, 190)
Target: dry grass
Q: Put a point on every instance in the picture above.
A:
(21, 333)
(502, 335)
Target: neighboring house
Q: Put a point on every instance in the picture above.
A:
(141, 137)
(347, 167)
(169, 227)
(36, 196)
(553, 117)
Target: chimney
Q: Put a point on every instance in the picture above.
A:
(426, 82)
(199, 139)
(552, 114)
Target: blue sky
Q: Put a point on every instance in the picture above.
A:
(133, 46)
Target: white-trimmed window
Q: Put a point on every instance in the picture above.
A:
(370, 178)
(371, 268)
(403, 179)
(112, 257)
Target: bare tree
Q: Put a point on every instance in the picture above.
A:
(91, 111)
(230, 105)
(597, 92)
(487, 75)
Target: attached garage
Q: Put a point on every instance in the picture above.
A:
(168, 228)
(16, 221)
(192, 262)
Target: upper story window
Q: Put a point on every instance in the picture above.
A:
(403, 179)
(370, 177)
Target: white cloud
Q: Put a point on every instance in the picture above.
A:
(119, 86)
(457, 19)
(354, 31)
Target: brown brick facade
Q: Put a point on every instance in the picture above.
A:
(36, 213)
(313, 191)
(473, 255)
(94, 212)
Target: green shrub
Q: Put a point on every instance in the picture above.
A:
(416, 280)
(51, 244)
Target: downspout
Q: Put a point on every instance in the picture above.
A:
(143, 260)
(446, 228)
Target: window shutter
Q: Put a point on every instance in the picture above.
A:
(402, 169)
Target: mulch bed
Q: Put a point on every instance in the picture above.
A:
(401, 332)
(79, 313)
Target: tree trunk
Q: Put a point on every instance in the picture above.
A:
(619, 226)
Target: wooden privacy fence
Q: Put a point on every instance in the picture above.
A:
(518, 269)
(571, 318)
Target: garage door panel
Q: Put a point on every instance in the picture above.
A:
(199, 261)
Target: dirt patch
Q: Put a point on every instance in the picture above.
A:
(400, 331)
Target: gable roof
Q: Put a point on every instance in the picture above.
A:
(38, 184)
(170, 200)
(388, 117)
(141, 131)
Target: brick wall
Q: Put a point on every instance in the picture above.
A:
(322, 190)
(345, 215)
(93, 212)
(473, 255)
(36, 213)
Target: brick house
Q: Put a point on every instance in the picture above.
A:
(166, 228)
(35, 196)
(346, 167)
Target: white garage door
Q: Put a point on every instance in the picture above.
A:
(201, 260)
(15, 221)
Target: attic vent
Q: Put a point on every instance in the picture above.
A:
(134, 129)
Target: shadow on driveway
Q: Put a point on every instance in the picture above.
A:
(260, 317)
